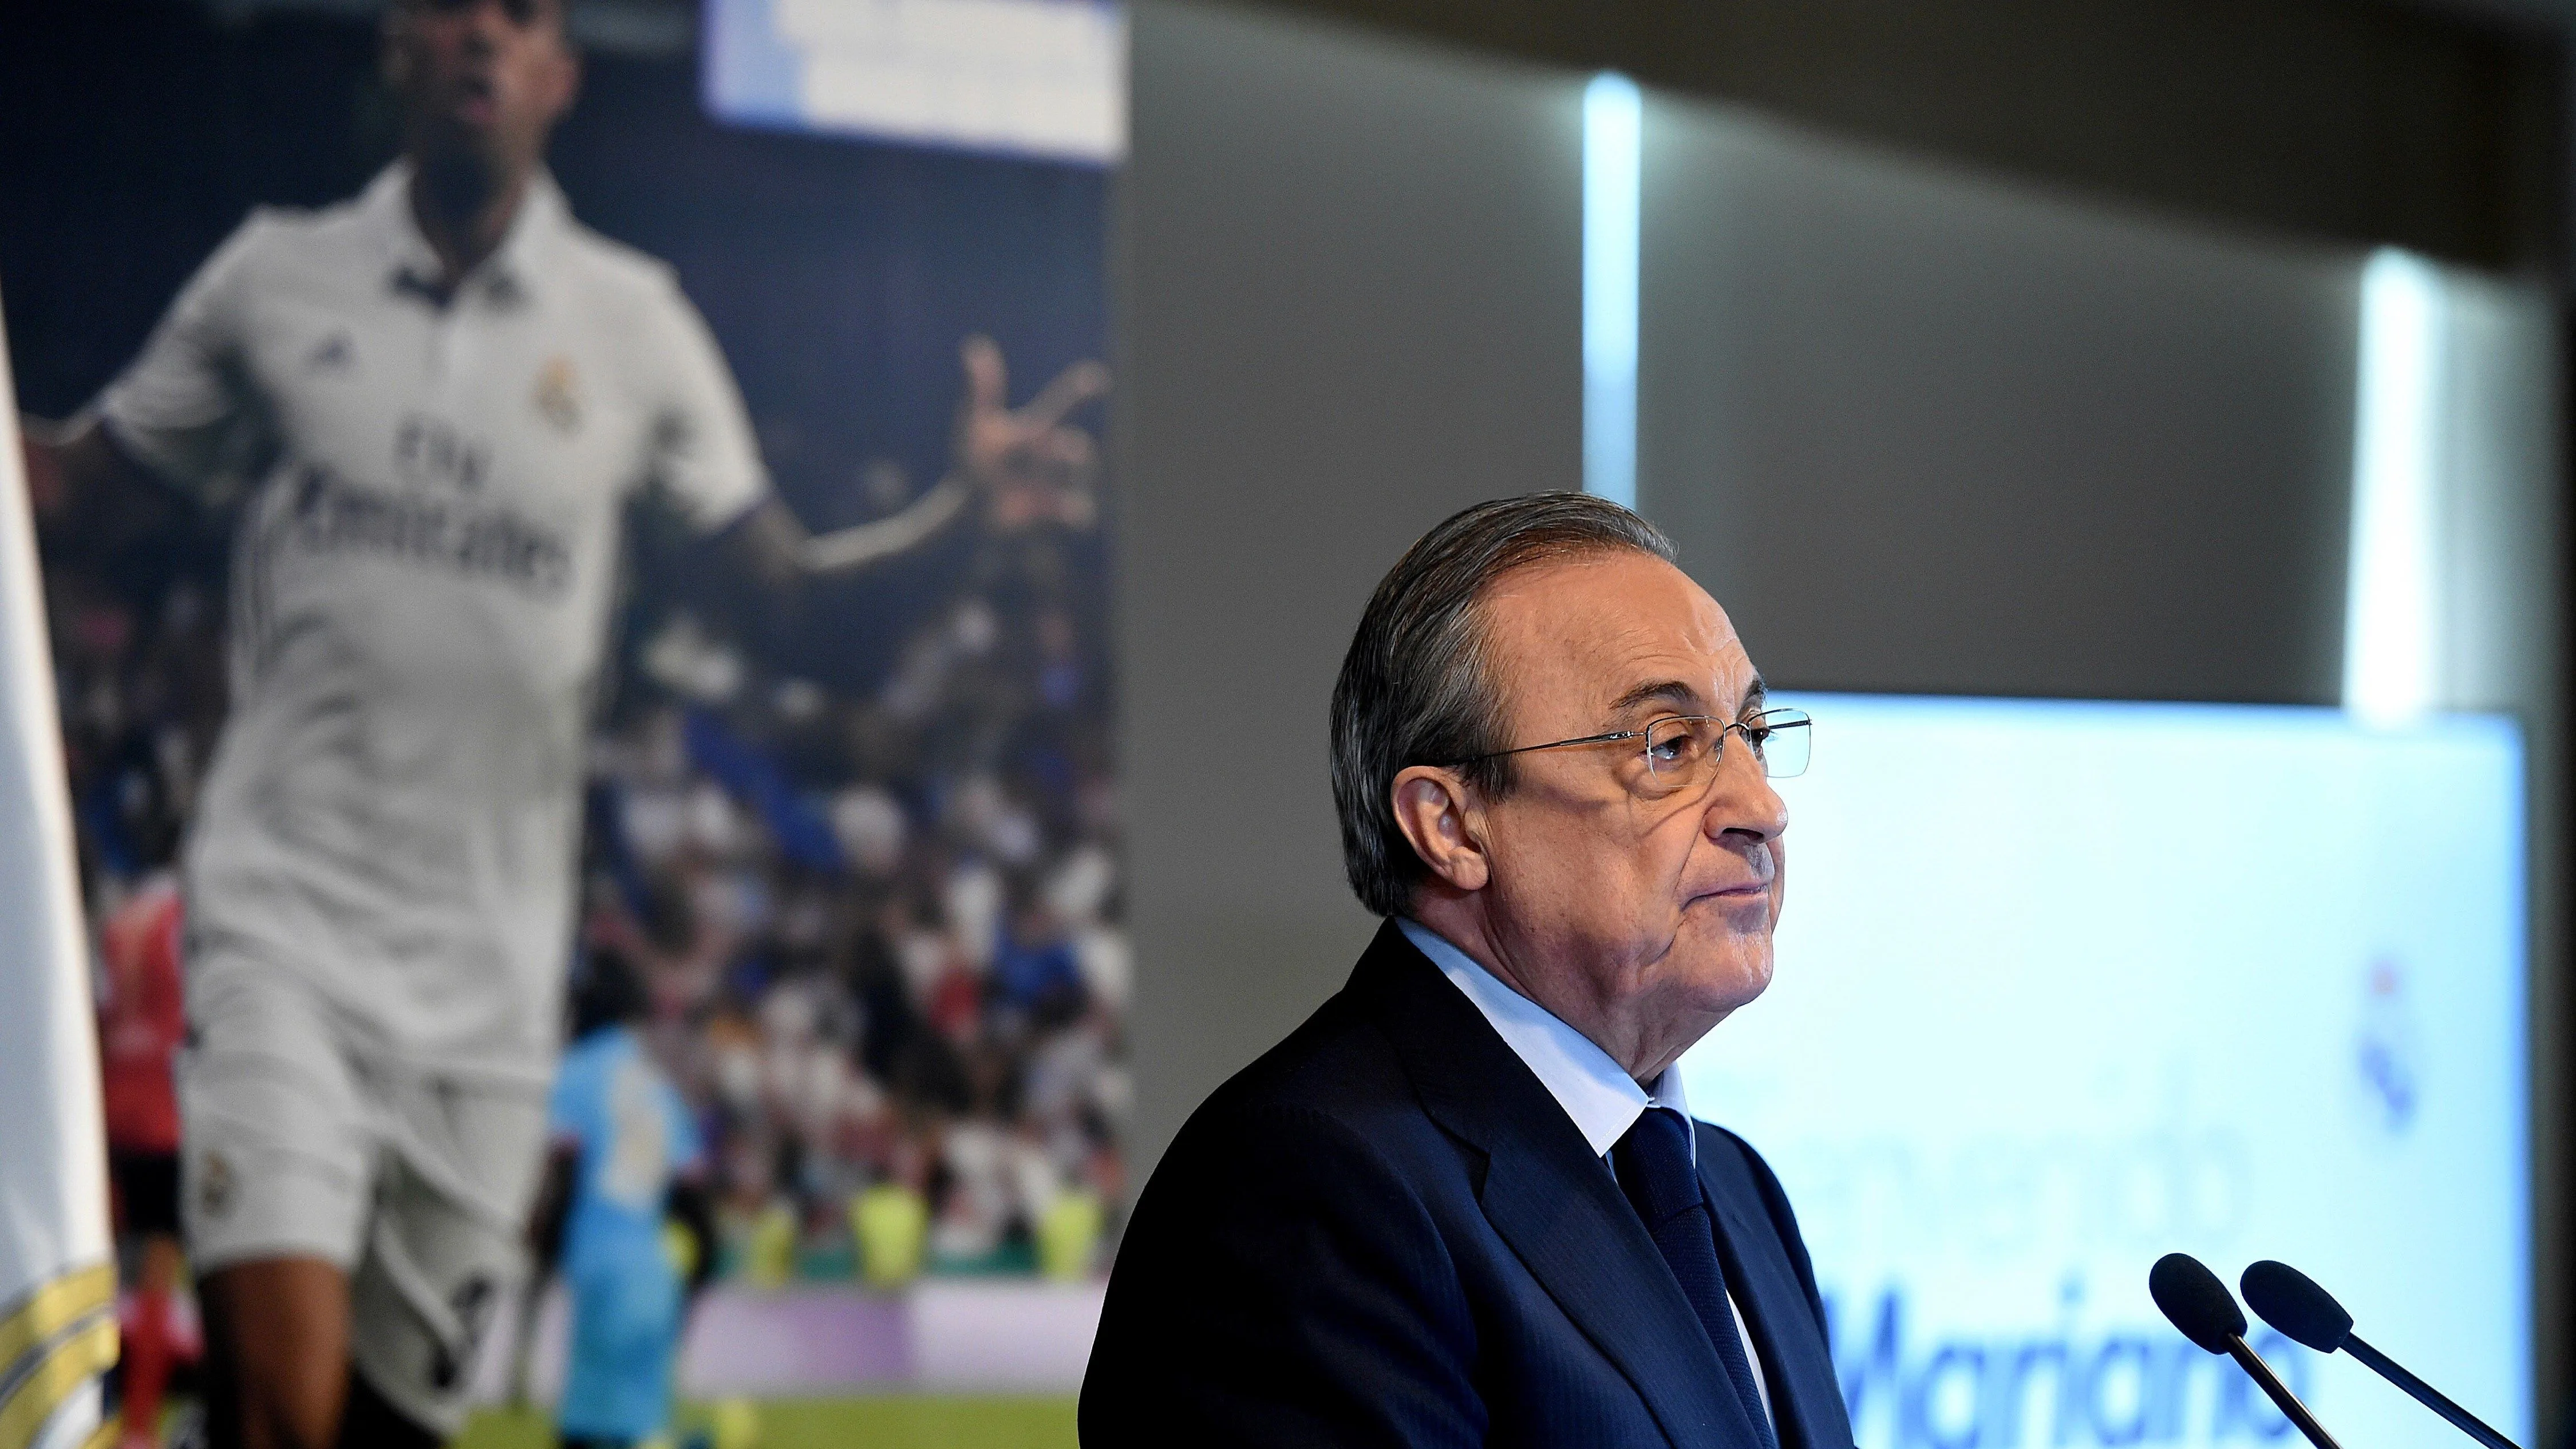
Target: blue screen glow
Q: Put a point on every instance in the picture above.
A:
(2062, 987)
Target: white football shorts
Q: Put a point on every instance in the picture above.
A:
(297, 1144)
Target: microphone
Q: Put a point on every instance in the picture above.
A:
(2207, 1314)
(2291, 1301)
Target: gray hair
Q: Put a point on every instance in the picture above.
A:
(1416, 689)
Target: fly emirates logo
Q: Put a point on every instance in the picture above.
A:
(332, 514)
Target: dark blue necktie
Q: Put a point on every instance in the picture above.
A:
(1654, 1166)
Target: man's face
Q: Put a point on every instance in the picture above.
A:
(480, 80)
(1662, 902)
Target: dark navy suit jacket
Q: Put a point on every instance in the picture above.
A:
(1387, 1232)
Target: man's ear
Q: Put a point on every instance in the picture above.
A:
(1437, 813)
(567, 79)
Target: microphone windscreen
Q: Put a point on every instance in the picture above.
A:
(2196, 1301)
(2290, 1301)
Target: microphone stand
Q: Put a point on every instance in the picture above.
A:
(2425, 1394)
(2279, 1392)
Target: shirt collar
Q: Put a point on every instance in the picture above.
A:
(1594, 1090)
(507, 274)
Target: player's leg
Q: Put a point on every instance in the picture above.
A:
(624, 1335)
(275, 1168)
(277, 1353)
(447, 1242)
(147, 1195)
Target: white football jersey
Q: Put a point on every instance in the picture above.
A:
(421, 594)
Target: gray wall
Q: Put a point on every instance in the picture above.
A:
(1351, 274)
(2436, 126)
(1923, 431)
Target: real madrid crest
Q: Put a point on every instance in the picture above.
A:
(214, 1184)
(558, 394)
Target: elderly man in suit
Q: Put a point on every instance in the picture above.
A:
(1465, 1203)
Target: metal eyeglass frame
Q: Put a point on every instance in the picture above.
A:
(1767, 720)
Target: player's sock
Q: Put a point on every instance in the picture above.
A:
(147, 1364)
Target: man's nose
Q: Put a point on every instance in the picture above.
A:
(1743, 802)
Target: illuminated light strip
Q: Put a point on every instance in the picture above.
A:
(2391, 602)
(1613, 134)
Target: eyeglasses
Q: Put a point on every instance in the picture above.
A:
(1682, 751)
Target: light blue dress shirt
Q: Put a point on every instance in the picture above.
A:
(1594, 1090)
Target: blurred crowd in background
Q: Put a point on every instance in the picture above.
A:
(875, 890)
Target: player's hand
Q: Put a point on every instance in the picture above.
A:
(1027, 452)
(46, 486)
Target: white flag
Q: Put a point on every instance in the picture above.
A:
(57, 1265)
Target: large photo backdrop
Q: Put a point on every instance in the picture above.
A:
(864, 846)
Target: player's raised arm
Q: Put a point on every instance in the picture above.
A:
(1002, 453)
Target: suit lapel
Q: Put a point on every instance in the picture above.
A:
(1796, 1360)
(1551, 1199)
